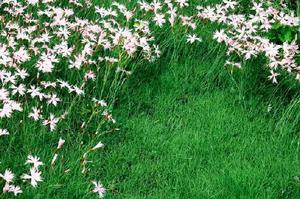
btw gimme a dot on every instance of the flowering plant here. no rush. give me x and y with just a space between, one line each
248 35
56 56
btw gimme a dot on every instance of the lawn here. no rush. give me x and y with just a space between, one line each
182 137
187 127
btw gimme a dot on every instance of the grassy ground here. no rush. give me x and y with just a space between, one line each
190 128
189 132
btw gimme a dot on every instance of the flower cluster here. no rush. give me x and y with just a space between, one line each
52 55
246 34
32 53
34 176
8 177
172 13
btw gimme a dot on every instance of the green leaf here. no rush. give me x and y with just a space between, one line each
286 36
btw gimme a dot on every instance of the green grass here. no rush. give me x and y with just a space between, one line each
182 138
190 128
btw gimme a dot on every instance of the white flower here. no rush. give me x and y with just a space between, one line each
32 2
220 36
182 3
99 189
12 188
235 64
51 121
272 50
6 111
192 38
3 94
34 177
53 99
20 89
99 145
60 143
3 132
21 55
34 160
159 19
54 159
273 77
8 176
35 114
90 75
15 190
22 73
100 102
